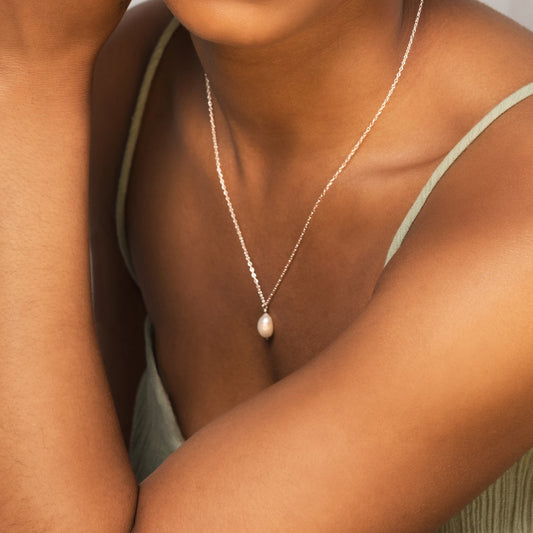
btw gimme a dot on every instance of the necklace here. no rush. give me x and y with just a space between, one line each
265 324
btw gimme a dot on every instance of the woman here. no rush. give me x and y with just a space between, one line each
387 399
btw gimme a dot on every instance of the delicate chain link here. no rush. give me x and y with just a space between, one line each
265 302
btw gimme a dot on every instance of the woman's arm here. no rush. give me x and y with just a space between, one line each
423 402
63 466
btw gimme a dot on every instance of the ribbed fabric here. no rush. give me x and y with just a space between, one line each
155 431
505 507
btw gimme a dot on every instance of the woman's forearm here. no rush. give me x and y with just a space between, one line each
63 466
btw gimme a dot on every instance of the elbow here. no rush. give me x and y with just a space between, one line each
122 511
110 509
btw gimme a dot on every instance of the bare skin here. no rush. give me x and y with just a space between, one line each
386 401
338 267
54 397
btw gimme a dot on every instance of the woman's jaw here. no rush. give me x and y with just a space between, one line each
254 22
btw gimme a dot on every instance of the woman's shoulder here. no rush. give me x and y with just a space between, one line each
478 57
476 60
118 75
473 98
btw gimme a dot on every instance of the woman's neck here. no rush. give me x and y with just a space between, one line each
319 87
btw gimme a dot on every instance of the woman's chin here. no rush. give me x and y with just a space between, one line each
250 23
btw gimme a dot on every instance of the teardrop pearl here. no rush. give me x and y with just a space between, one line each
265 326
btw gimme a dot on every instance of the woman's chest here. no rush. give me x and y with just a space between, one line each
200 293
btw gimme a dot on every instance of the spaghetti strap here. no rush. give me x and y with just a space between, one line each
450 159
133 136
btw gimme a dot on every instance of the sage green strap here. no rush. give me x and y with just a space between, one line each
131 143
450 159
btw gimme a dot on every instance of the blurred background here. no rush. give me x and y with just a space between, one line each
520 10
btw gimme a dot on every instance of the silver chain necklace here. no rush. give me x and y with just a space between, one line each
265 324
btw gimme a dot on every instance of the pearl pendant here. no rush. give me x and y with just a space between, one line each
265 326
